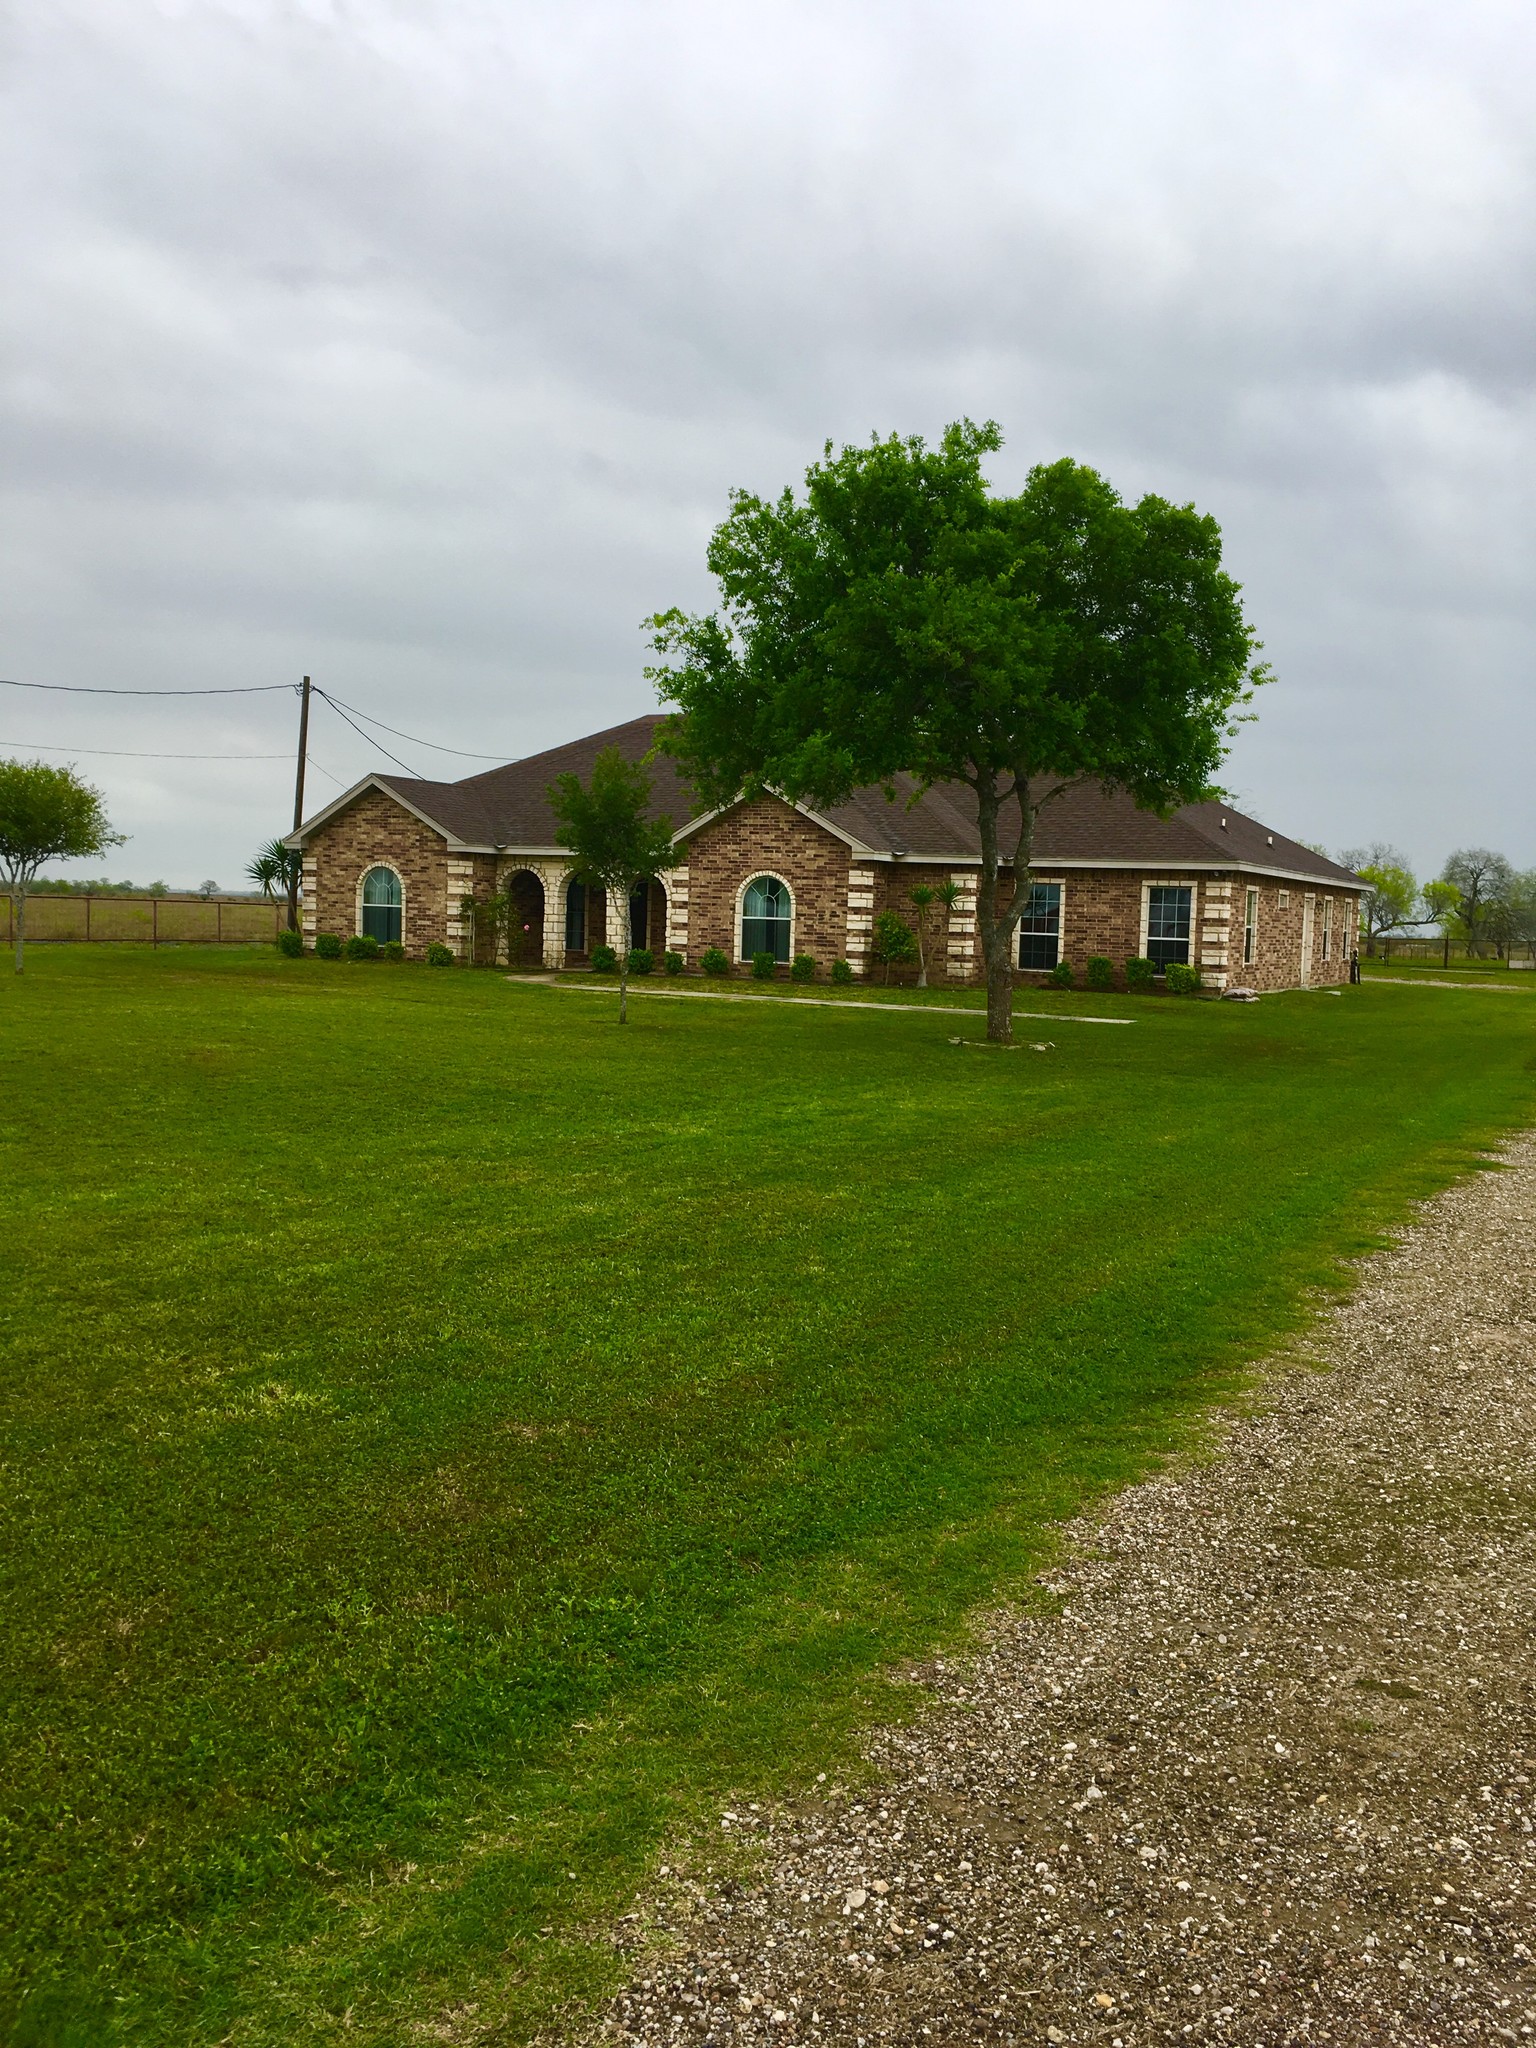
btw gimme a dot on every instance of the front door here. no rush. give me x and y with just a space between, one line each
1307 912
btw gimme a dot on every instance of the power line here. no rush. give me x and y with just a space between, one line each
131 754
368 736
414 740
91 690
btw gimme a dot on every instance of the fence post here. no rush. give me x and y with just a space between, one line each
87 920
154 920
218 921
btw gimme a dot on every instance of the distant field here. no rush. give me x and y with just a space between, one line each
1459 970
452 1443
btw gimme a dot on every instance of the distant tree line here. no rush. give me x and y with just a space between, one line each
1480 901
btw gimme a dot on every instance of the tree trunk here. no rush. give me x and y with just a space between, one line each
293 901
922 950
994 938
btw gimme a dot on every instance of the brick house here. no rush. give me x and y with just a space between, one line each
397 857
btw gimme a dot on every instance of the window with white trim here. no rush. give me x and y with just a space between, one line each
1169 911
381 905
1040 926
1328 928
766 915
1250 927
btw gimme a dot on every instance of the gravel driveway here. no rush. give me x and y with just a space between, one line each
1264 1777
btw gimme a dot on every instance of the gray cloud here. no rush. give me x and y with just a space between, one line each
418 345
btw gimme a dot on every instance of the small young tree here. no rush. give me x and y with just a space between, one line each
922 897
893 941
1442 906
617 844
45 814
1393 896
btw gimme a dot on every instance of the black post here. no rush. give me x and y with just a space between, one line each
298 801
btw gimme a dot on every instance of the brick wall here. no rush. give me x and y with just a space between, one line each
767 838
375 831
836 898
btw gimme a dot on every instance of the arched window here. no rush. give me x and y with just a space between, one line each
765 918
381 905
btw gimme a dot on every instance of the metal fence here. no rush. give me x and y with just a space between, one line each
148 920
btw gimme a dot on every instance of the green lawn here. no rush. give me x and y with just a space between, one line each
453 1444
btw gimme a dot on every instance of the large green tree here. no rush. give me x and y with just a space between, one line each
1393 896
901 618
45 814
1481 878
615 842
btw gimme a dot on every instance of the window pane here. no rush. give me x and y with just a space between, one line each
576 918
1040 926
1168 912
639 915
381 885
765 918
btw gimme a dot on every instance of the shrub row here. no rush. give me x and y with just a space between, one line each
331 946
603 960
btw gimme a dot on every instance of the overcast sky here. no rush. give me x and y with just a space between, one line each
418 346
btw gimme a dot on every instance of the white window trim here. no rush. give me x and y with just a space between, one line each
1052 881
764 875
1327 928
357 907
1169 882
1251 899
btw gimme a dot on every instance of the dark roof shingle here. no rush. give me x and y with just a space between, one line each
509 807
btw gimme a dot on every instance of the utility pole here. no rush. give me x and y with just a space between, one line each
298 802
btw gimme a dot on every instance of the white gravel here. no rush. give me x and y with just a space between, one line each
1263 1778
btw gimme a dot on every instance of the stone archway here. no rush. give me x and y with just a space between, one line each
525 923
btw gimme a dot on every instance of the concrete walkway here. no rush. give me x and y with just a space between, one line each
720 995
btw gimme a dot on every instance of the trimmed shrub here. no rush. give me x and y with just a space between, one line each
641 960
327 946
603 960
841 971
893 941
290 945
439 955
1180 980
1060 975
715 962
361 947
672 962
392 949
1140 976
763 965
1100 972
803 968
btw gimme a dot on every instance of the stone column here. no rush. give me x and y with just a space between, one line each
1215 931
861 917
961 941
675 882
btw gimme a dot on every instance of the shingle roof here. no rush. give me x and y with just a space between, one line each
509 807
